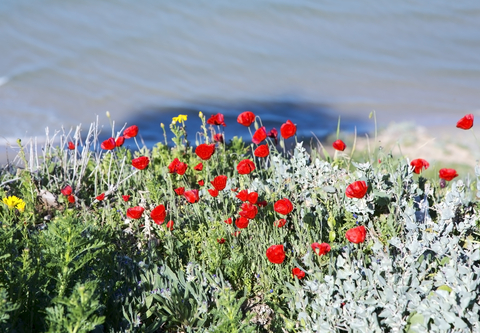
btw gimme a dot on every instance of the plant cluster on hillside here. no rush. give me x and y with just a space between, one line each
237 236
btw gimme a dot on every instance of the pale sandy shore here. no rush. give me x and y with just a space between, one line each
445 147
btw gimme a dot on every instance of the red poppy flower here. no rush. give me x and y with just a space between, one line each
259 135
177 167
262 203
158 214
466 122
135 212
71 145
236 233
125 198
242 222
321 249
170 225
218 137
201 182
205 151
130 132
447 174
246 118
120 140
245 167
67 190
279 223
217 119
228 221
356 189
339 145
180 190
262 151
219 182
288 129
297 272
221 240
192 196
419 164
100 197
140 162
252 197
108 144
283 206
71 198
248 210
273 134
356 235
213 192
198 167
242 195
276 254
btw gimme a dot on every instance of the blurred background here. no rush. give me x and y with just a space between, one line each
62 63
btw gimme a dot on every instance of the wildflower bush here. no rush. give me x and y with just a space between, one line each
238 236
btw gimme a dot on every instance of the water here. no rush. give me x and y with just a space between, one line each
64 62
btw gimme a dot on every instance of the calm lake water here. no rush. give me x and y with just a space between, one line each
64 62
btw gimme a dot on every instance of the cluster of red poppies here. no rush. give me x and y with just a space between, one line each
420 164
250 204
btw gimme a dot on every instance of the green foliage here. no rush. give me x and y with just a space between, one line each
87 266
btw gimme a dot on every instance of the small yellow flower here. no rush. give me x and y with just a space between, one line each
181 118
200 114
21 206
13 201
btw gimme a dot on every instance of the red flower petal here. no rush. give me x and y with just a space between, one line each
242 222
283 206
71 198
262 151
140 162
158 214
192 196
419 164
67 190
245 167
321 249
246 118
279 223
180 190
217 119
259 135
447 174
219 182
101 197
297 272
205 151
213 192
356 235
108 144
276 254
130 132
126 198
466 122
120 140
356 189
339 145
135 212
288 129
71 145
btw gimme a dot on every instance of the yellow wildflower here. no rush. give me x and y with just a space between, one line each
13 201
21 206
181 118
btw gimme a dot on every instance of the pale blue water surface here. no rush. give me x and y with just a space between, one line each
64 62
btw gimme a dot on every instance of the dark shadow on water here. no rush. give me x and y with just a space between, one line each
311 119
